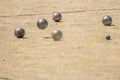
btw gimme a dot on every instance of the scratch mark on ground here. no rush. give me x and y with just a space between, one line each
65 12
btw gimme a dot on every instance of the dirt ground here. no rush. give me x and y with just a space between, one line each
82 54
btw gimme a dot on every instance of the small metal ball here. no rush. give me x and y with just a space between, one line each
57 17
107 20
56 35
107 37
42 23
19 32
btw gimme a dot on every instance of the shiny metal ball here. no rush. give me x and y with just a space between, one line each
107 37
57 17
56 35
107 20
42 23
19 32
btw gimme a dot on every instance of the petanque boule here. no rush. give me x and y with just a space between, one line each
42 23
108 37
57 16
19 32
107 20
56 35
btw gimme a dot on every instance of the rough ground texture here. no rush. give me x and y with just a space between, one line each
82 54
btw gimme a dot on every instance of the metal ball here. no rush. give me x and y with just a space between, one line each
19 32
107 37
57 17
107 20
56 35
42 23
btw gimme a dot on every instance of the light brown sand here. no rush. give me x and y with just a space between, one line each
82 54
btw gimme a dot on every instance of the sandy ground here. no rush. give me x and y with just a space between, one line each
82 54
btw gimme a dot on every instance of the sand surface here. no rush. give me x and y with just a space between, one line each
82 54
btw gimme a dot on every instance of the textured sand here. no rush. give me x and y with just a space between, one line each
82 54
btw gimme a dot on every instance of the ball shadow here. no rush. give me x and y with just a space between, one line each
112 25
24 38
47 37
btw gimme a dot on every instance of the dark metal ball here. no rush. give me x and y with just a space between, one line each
57 17
42 23
19 32
107 20
107 37
56 35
